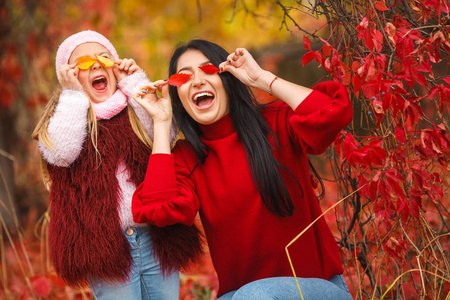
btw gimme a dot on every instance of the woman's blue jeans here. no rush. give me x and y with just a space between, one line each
146 280
286 288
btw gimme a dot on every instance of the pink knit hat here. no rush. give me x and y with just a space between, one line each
66 48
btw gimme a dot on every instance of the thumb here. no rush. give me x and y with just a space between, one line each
116 71
165 91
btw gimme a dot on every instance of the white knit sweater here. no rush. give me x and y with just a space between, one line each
67 130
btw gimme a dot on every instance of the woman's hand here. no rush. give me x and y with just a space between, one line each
125 67
69 77
159 108
243 66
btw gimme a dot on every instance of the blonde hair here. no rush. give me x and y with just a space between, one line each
40 132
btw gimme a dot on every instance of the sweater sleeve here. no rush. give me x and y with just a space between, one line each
67 129
318 120
130 85
163 200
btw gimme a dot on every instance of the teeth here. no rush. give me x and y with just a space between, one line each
201 95
99 78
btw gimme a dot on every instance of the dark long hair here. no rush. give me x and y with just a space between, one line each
250 126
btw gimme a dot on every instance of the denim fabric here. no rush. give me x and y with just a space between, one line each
146 280
285 288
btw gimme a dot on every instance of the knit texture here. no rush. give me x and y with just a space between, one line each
111 107
67 129
68 45
85 236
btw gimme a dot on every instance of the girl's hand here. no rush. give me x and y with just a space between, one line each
125 67
158 108
69 77
244 67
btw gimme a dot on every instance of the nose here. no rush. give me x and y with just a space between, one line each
199 80
96 66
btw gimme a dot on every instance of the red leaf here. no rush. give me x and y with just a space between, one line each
377 155
209 69
327 49
400 135
41 286
308 57
306 43
381 6
179 79
373 190
447 79
414 205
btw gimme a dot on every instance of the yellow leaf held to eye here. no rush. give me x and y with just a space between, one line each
85 62
105 61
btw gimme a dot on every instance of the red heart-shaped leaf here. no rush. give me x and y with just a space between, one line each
179 79
209 69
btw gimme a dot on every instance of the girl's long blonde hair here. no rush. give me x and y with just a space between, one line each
40 132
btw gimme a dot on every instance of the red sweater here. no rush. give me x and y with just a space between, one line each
246 241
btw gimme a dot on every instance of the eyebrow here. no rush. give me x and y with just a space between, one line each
190 68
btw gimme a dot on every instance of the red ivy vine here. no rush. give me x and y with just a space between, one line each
393 57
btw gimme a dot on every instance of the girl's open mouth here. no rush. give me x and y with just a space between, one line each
203 100
100 83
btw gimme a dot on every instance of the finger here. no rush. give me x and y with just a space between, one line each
127 63
146 89
165 91
130 62
230 58
71 73
73 65
240 52
116 71
160 82
121 63
134 68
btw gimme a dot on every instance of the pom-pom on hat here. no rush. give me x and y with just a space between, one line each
66 48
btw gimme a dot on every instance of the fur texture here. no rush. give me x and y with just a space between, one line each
86 239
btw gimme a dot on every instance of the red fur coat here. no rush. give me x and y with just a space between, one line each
86 239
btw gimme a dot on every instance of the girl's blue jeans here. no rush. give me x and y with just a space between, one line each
146 280
286 288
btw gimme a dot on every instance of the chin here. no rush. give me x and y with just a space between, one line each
97 99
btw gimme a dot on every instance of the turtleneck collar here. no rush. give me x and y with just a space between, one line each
218 130
111 107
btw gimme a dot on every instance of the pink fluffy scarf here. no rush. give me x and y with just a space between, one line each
111 107
86 239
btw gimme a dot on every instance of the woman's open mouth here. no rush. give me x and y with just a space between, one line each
203 100
100 84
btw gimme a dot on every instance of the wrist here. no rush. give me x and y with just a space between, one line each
265 81
161 136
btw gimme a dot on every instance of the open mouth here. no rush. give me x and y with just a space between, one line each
203 99
100 83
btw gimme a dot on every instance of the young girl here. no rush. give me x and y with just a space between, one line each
95 141
245 169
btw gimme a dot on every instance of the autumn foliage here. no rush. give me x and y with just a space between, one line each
391 165
393 162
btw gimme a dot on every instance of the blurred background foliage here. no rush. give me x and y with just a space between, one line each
382 247
148 31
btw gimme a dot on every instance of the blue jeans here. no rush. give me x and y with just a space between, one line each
286 288
146 280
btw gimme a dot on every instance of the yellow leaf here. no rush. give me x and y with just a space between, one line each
85 62
105 61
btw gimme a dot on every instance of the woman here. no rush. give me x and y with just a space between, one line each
245 169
